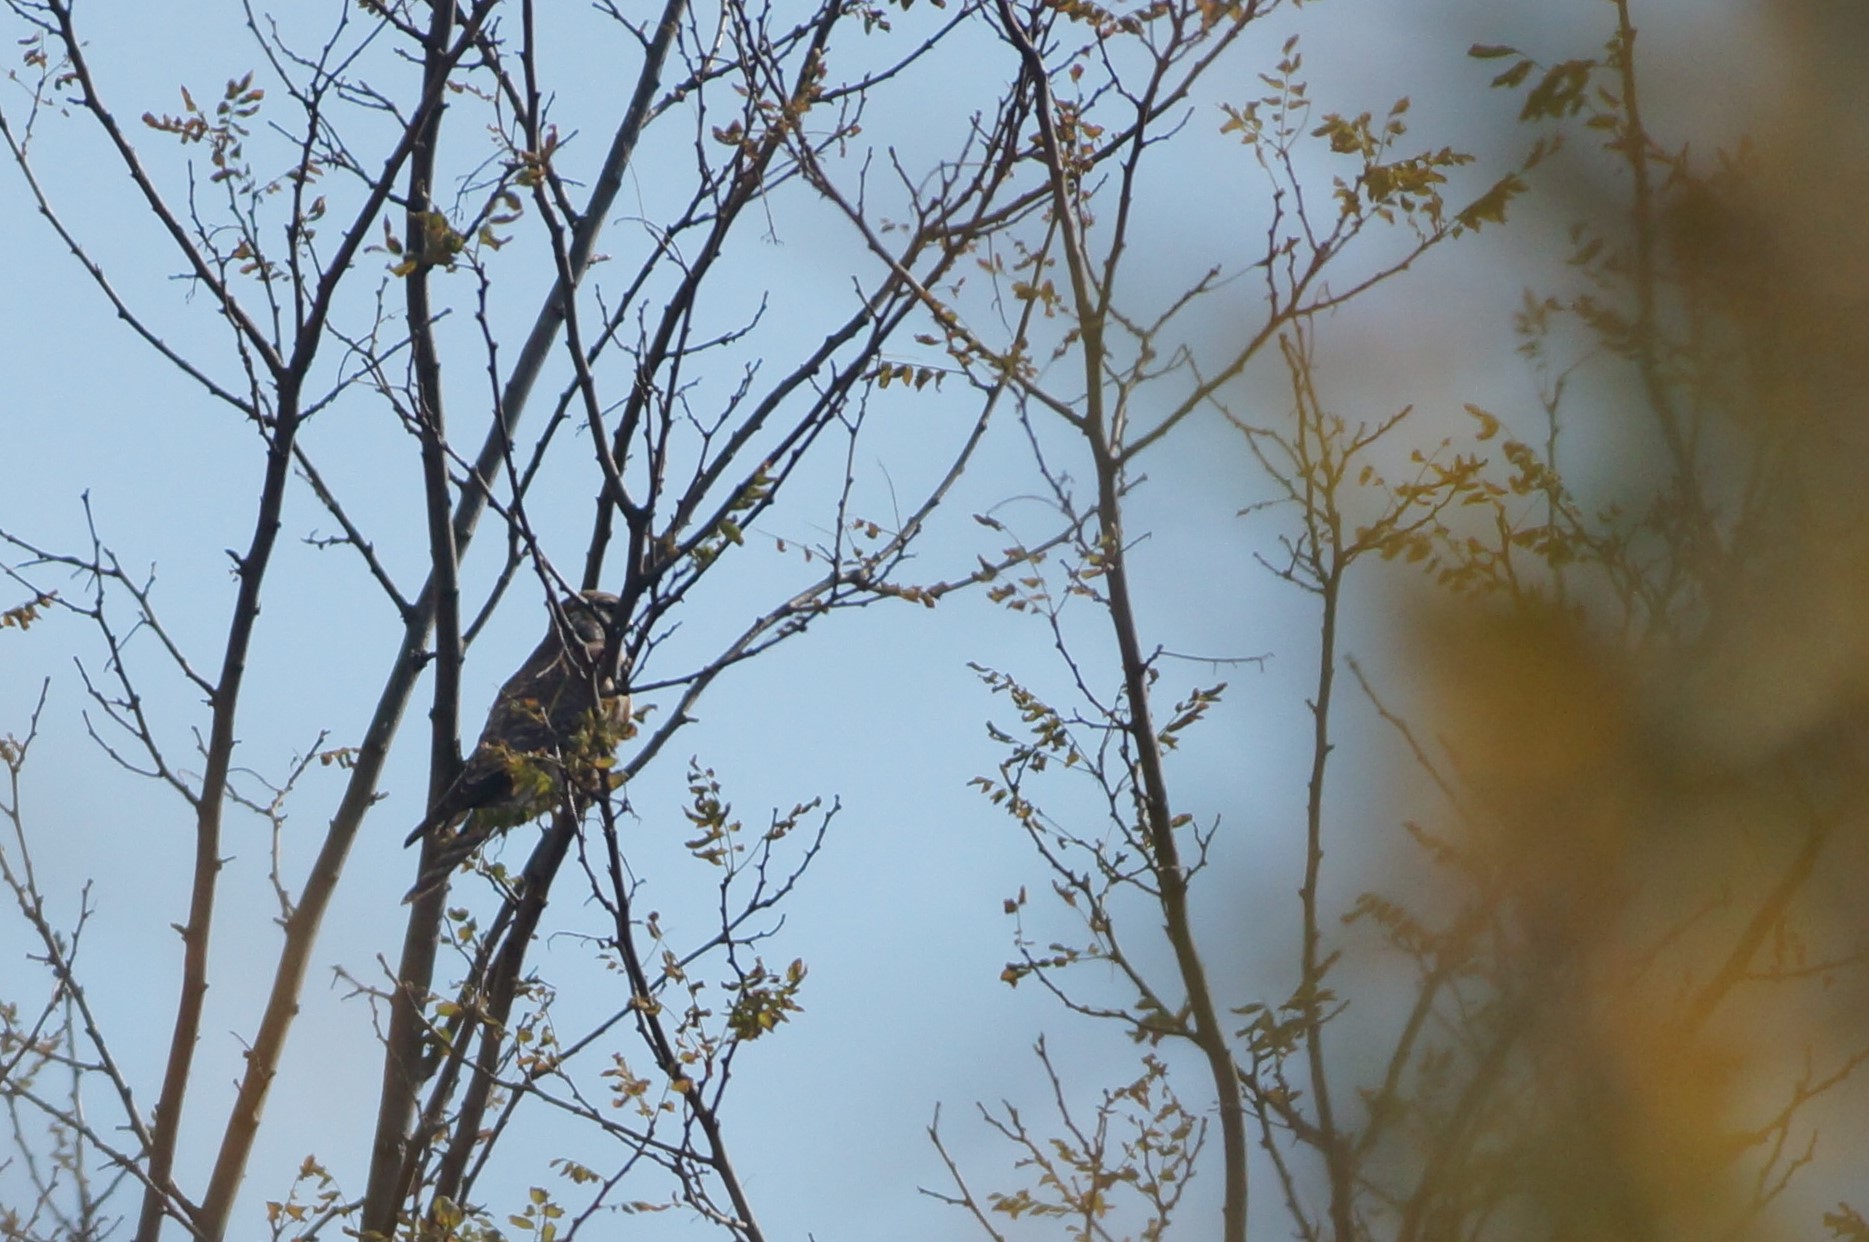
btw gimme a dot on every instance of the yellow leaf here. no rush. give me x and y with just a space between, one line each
1489 425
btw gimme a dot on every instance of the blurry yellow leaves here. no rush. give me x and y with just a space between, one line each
1656 726
1614 885
1490 207
1634 1128
1535 714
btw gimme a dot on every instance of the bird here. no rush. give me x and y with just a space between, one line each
558 716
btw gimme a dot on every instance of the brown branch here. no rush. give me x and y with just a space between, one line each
1325 550
498 990
301 931
249 331
415 969
538 344
1155 804
391 1160
655 1035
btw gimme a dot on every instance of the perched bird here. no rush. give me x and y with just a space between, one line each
553 726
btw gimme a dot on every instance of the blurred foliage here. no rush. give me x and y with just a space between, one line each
1630 981
1642 995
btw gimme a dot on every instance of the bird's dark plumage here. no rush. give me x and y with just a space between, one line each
552 718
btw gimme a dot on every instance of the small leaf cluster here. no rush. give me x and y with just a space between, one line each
314 1195
225 134
711 816
763 999
539 1219
23 615
916 377
1139 1142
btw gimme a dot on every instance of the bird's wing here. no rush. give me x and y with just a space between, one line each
541 706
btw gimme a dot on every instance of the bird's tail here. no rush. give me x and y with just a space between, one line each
423 829
452 844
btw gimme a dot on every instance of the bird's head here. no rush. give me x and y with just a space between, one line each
591 614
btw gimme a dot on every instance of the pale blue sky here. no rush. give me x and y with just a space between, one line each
901 919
